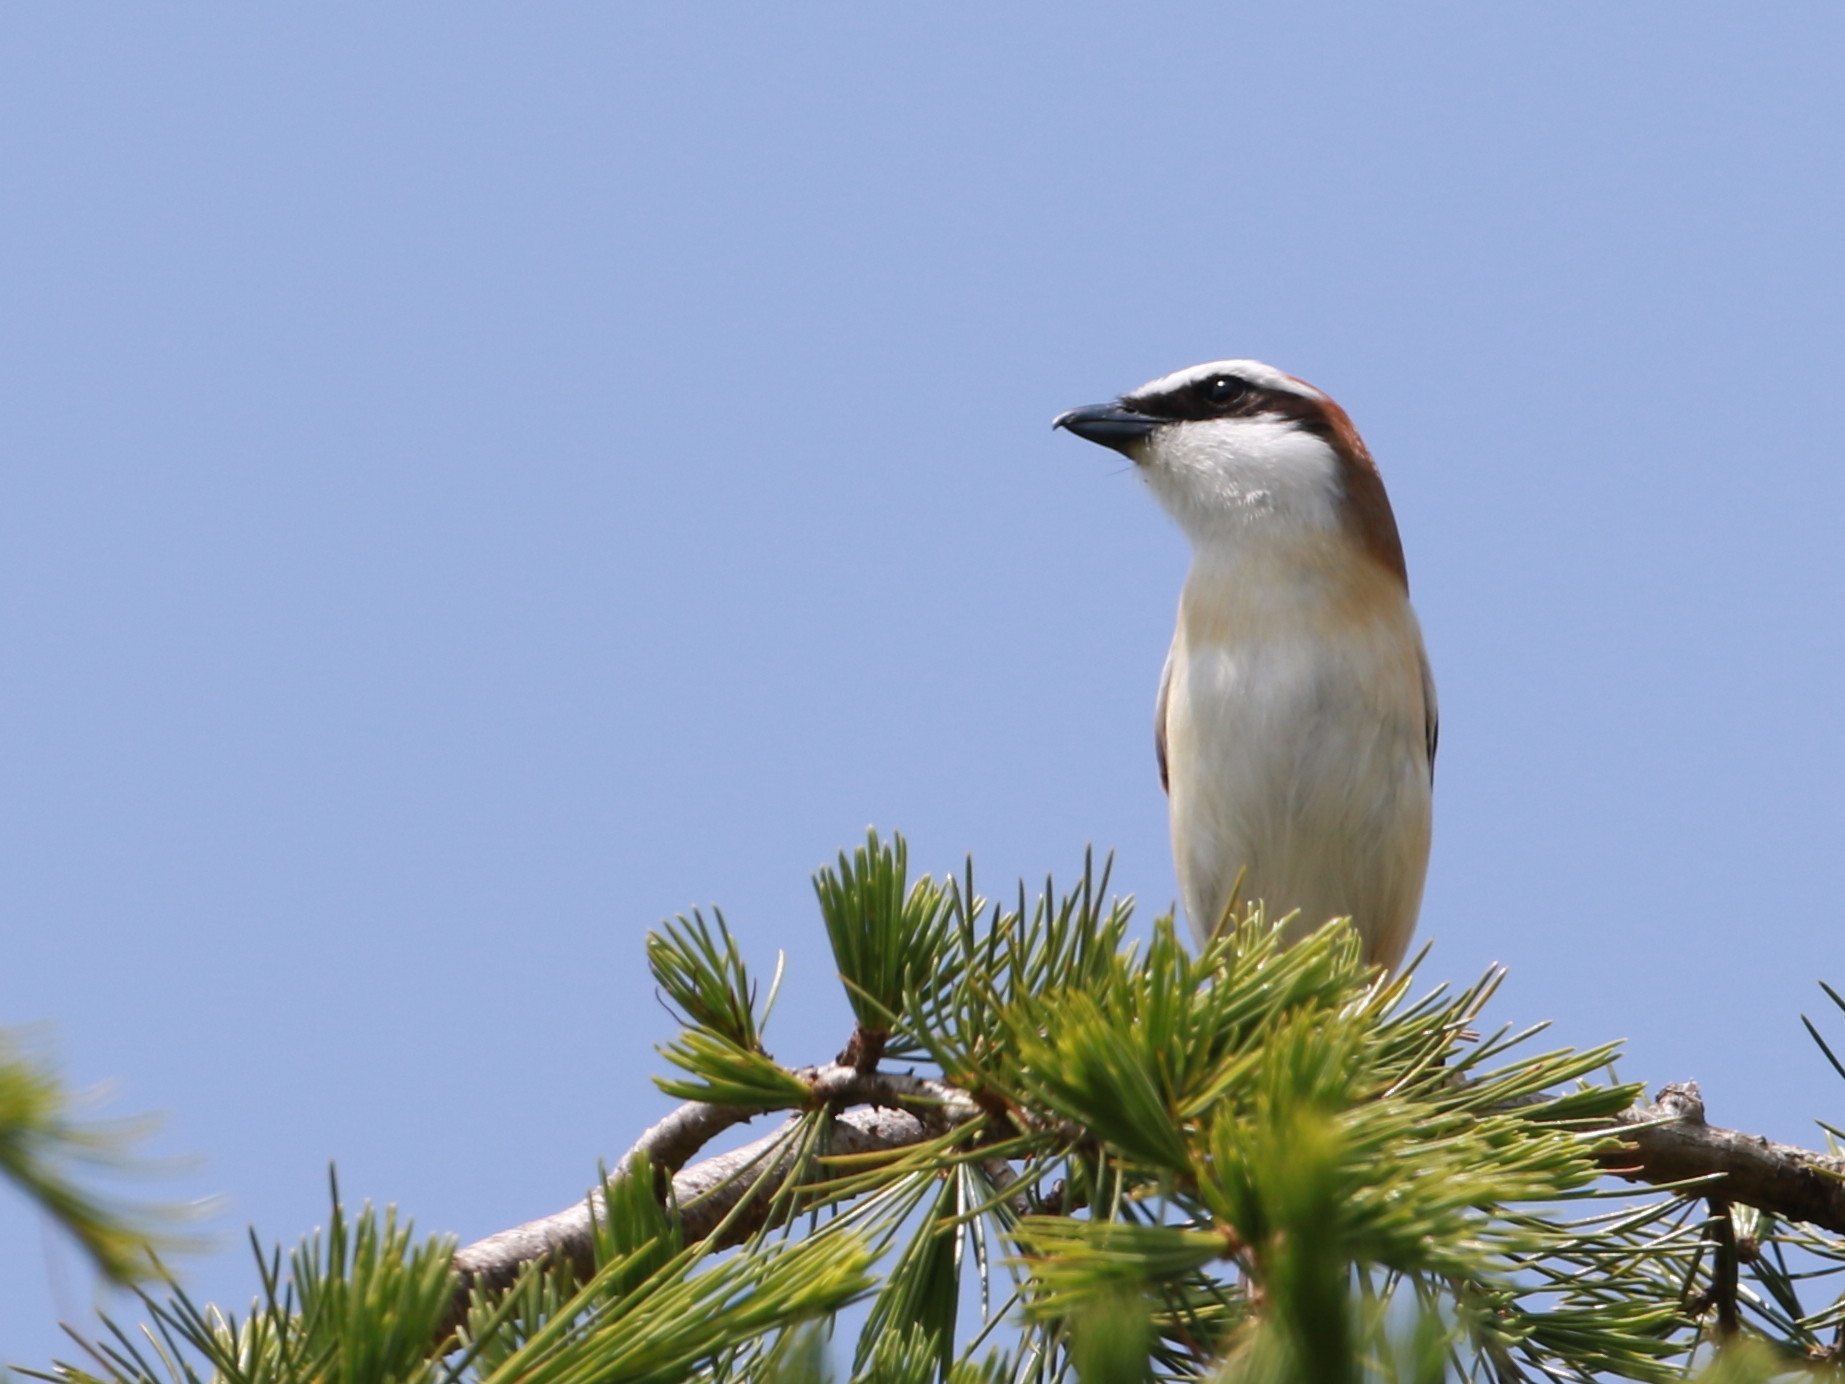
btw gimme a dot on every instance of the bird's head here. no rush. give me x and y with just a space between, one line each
1235 443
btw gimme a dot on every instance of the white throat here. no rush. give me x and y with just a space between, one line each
1231 478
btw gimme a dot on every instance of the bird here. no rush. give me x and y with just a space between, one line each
1296 722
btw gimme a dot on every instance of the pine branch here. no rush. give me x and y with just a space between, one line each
1276 1107
903 1111
1674 1144
1282 1154
1664 1142
45 1147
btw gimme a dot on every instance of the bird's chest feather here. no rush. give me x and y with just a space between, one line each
1295 672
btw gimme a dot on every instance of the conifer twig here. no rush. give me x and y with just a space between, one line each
1665 1142
904 1110
1669 1141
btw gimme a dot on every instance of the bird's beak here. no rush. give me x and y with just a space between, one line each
1109 424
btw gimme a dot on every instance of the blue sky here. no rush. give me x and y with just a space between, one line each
480 479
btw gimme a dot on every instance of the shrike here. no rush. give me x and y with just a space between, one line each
1296 716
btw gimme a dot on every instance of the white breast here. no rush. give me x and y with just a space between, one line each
1295 721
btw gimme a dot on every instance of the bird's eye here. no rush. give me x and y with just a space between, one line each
1223 389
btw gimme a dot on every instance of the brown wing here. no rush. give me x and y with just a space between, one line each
1431 715
1159 720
